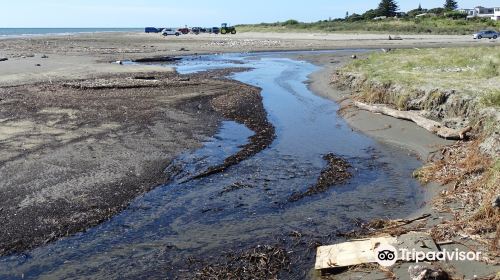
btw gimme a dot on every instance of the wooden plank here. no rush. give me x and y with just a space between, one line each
363 250
349 253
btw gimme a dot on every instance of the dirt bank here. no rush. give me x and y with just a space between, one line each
75 153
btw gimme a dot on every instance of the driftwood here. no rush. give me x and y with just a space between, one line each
414 116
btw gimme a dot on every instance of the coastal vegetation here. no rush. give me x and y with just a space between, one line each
423 25
386 18
472 71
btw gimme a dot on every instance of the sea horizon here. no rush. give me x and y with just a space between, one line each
34 31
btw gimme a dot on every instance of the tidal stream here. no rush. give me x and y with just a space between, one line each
247 204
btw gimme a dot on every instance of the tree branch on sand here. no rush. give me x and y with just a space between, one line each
414 116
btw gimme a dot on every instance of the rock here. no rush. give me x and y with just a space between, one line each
45 56
200 106
354 56
38 65
418 272
119 62
496 202
3 58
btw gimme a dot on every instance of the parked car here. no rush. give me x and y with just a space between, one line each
490 34
170 31
215 30
152 30
196 30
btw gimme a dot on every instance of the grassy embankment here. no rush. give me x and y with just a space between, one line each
429 25
453 83
469 71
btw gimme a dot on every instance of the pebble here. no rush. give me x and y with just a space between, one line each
496 202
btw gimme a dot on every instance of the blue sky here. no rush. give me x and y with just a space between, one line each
133 13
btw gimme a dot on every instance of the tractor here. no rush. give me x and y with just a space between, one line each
224 29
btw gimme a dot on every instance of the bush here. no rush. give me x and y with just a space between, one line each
437 11
355 17
291 22
455 15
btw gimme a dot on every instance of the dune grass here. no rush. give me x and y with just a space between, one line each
430 25
474 71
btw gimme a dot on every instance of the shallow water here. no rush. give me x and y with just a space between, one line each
163 228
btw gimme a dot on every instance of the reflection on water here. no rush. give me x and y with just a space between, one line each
248 203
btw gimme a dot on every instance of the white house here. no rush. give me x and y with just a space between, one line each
496 15
482 12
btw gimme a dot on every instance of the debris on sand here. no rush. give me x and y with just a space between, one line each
244 43
336 172
419 272
157 59
262 262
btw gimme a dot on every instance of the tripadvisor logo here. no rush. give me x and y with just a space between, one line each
387 255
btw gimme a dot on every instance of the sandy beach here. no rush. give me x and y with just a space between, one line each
82 133
88 55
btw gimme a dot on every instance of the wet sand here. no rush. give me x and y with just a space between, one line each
74 153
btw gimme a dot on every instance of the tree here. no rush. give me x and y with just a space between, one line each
387 8
450 5
370 14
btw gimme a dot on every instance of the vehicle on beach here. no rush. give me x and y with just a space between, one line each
215 30
196 30
226 29
490 34
170 31
184 30
152 30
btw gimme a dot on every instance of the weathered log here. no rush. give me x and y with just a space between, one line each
414 116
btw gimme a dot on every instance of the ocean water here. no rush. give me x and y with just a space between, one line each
20 32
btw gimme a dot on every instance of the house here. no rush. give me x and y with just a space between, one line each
482 12
496 15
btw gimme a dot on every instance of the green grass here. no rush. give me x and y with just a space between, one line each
430 25
475 71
